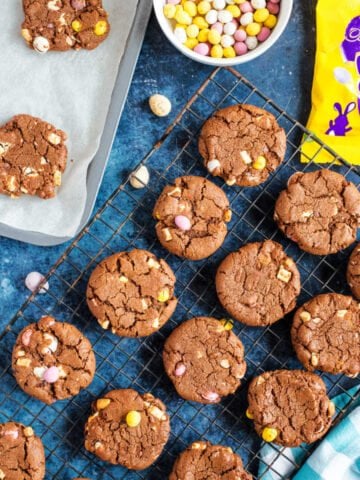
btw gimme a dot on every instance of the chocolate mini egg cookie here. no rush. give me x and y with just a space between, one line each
22 454
127 429
320 211
326 334
289 407
353 272
204 360
258 284
192 215
33 157
64 24
132 293
204 461
243 144
52 360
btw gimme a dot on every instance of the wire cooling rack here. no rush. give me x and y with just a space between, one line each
125 222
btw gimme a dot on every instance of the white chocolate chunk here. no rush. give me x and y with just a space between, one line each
245 157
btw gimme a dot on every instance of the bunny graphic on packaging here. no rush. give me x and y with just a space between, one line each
336 83
350 46
340 126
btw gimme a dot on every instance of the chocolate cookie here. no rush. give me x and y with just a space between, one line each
204 461
132 293
64 24
192 216
289 407
204 360
33 157
22 454
127 429
258 284
52 360
353 272
320 211
326 334
243 144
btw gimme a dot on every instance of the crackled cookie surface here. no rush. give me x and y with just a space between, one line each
192 216
243 144
64 24
33 157
353 272
132 293
52 360
289 407
326 334
127 428
204 461
204 360
320 211
22 454
258 284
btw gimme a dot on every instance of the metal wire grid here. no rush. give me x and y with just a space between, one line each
124 222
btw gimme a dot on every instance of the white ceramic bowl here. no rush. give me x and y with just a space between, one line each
167 28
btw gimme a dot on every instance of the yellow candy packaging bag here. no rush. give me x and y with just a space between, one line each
335 114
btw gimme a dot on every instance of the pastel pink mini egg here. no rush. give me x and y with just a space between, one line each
51 375
246 7
180 370
264 34
173 2
33 280
13 434
240 48
78 4
273 8
211 396
218 26
202 49
240 35
182 222
25 337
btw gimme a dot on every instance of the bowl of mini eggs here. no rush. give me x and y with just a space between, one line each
223 32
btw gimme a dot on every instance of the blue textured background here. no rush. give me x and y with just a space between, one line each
284 74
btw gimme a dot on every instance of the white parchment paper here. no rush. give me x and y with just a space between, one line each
71 90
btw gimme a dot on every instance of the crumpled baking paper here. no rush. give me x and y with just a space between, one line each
72 90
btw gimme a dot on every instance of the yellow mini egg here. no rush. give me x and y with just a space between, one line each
169 10
253 29
229 52
269 434
203 35
183 17
227 324
203 7
260 163
164 295
133 418
191 43
271 21
249 415
261 15
217 51
192 31
214 37
100 28
234 10
190 8
76 26
200 22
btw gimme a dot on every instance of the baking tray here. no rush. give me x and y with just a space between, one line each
97 167
125 222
